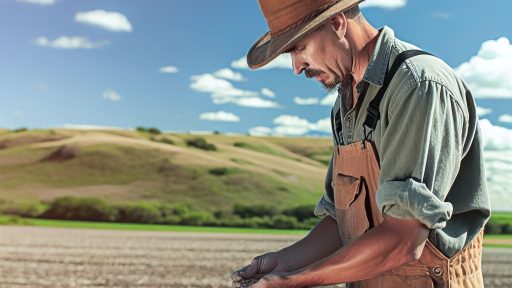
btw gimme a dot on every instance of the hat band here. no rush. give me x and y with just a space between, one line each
303 20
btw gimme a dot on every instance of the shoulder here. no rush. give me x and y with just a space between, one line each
423 71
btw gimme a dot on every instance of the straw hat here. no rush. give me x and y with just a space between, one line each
288 21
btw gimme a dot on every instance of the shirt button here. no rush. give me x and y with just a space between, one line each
437 271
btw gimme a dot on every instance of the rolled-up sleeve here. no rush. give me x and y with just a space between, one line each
420 151
325 206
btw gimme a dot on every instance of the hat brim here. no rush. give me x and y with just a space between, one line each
268 47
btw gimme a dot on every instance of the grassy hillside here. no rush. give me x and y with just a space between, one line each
134 166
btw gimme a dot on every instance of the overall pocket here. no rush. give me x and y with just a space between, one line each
349 200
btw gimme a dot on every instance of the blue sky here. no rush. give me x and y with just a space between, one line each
101 63
43 86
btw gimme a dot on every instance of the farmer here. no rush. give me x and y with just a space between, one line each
405 198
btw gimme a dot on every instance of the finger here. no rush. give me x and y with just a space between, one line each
247 283
235 276
253 268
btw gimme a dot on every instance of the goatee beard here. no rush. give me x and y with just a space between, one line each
329 86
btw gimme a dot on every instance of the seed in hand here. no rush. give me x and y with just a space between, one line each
247 283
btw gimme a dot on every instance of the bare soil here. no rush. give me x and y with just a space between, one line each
59 257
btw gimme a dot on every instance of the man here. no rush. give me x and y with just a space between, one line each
405 198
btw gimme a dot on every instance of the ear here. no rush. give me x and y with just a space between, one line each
338 24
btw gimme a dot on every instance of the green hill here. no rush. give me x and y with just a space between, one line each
134 166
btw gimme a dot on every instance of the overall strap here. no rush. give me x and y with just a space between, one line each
373 113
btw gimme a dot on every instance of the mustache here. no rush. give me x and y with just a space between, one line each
310 73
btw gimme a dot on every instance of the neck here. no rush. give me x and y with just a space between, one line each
363 38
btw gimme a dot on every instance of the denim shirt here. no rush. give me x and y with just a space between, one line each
429 143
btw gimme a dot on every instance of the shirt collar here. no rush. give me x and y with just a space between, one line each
378 66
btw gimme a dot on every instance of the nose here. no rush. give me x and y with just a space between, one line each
298 64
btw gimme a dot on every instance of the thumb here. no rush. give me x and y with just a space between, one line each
252 269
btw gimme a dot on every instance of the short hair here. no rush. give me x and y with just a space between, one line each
354 14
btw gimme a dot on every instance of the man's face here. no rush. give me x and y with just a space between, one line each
318 56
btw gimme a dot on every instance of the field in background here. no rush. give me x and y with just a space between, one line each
135 166
137 176
497 241
50 257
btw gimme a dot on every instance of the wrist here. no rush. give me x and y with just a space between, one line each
285 259
299 278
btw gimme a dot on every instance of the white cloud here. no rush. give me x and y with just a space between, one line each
498 166
290 130
229 74
495 137
330 99
255 102
291 125
69 42
505 118
282 61
322 125
260 131
111 95
109 20
267 92
38 2
169 69
488 73
222 92
220 116
218 87
386 4
481 111
291 120
306 101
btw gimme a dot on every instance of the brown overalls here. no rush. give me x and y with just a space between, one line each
355 176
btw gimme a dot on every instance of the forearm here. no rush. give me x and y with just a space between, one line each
322 241
380 249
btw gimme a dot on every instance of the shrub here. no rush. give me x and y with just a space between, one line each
14 220
197 218
285 222
492 228
166 140
222 214
201 143
247 211
72 208
310 223
150 130
180 209
219 171
139 213
23 129
302 212
506 228
258 222
31 209
154 131
170 220
240 144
